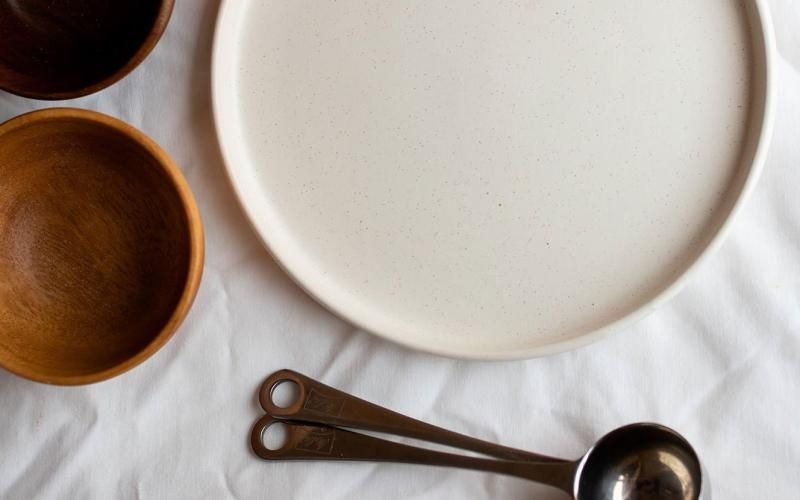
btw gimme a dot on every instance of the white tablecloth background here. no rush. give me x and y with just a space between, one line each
720 363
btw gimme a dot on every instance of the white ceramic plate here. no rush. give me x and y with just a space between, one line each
492 179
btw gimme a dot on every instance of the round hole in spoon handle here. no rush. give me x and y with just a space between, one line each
273 439
269 393
275 436
285 393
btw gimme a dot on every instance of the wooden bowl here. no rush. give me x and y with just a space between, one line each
101 246
72 48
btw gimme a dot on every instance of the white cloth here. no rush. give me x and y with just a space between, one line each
719 362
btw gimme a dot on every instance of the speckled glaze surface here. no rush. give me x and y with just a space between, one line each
492 179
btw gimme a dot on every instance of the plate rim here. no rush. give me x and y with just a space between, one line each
765 57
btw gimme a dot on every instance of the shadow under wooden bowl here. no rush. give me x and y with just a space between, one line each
72 48
101 246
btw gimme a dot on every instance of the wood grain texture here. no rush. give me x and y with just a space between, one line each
70 48
101 246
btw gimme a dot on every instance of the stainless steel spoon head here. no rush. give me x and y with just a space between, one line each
641 462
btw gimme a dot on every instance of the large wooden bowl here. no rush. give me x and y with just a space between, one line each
101 246
71 48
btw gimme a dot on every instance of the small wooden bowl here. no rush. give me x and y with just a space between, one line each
101 246
67 49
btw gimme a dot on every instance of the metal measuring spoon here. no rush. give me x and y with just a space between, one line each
636 462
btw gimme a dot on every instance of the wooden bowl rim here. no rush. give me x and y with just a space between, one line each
194 229
148 44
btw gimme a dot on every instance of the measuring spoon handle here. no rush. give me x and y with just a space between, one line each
321 404
318 442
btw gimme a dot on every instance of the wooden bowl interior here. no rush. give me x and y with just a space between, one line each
94 249
63 49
